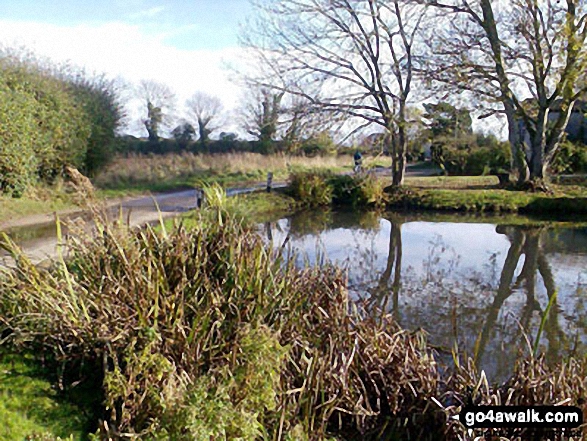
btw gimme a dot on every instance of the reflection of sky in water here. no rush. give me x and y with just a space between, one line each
450 276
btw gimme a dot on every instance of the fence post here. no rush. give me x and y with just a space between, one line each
269 181
199 198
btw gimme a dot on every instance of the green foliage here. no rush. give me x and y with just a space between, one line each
99 99
229 403
316 188
472 155
360 190
50 119
445 120
570 158
18 160
321 144
311 189
183 135
30 408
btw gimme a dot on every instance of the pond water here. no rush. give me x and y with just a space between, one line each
481 285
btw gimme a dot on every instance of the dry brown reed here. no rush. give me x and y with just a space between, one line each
207 332
159 314
145 169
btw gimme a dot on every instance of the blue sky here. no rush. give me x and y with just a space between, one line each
191 24
186 44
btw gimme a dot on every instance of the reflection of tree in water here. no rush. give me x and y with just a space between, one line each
470 306
485 307
322 219
525 242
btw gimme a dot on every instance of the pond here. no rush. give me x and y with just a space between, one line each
475 285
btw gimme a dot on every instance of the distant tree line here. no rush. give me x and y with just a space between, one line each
52 117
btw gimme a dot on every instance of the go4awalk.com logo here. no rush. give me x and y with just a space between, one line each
556 417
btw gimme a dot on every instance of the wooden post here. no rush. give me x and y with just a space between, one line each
199 198
269 181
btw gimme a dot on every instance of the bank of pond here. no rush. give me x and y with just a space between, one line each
481 194
326 324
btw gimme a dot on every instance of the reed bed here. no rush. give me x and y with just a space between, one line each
207 333
155 169
313 188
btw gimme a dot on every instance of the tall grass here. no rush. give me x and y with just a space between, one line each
154 169
209 332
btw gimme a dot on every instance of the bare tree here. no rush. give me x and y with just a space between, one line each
205 111
159 101
261 110
525 59
345 57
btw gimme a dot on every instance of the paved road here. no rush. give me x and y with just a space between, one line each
38 239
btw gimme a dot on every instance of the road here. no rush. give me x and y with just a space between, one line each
39 240
36 235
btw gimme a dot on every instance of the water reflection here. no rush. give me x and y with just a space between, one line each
480 286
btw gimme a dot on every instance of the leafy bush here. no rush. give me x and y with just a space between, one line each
311 189
477 161
471 155
316 188
358 190
51 119
18 162
321 144
570 158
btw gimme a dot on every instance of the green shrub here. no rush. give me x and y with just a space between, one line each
362 190
311 189
569 158
472 155
18 162
51 119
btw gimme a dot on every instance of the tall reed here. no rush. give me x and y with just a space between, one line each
207 330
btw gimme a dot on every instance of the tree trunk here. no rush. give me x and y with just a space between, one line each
399 147
537 166
504 290
519 164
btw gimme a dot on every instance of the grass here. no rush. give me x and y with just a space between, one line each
29 405
165 172
36 200
481 194
452 182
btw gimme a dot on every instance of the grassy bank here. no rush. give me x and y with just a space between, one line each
563 200
455 194
204 332
164 172
35 201
30 405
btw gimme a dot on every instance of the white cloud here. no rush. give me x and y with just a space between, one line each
148 13
127 50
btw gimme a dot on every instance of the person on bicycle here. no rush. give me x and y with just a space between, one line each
358 161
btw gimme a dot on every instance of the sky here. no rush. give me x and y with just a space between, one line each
186 44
